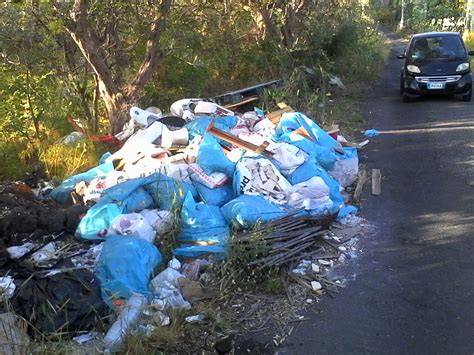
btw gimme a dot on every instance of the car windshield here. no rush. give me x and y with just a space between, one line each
437 48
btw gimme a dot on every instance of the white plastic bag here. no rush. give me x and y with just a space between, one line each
168 278
160 221
7 287
345 171
289 156
134 224
166 289
312 194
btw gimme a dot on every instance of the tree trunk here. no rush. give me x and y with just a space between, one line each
118 97
468 27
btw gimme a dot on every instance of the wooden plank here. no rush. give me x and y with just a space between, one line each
241 102
360 185
376 182
275 116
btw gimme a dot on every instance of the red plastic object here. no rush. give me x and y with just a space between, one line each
104 139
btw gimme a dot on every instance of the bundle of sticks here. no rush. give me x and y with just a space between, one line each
290 239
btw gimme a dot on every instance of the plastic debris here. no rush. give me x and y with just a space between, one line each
7 287
17 252
133 224
85 338
126 321
195 319
316 286
371 133
46 253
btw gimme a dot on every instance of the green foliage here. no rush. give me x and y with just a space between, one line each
13 167
421 16
63 160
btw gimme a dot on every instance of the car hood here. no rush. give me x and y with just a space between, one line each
439 68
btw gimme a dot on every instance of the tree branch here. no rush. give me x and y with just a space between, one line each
90 46
153 52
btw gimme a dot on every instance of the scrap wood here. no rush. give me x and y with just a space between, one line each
241 102
234 140
376 182
360 185
275 116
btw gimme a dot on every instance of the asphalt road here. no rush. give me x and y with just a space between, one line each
414 286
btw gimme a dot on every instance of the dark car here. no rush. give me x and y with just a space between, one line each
436 62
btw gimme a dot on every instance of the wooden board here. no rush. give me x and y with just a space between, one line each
275 116
241 102
376 182
362 178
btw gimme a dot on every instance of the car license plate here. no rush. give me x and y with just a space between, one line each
435 86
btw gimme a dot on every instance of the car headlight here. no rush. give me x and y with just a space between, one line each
462 67
413 69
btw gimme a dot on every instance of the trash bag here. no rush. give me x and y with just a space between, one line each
345 211
133 225
138 200
198 127
217 196
69 301
96 223
312 194
130 194
346 169
160 221
260 177
62 192
310 169
211 158
203 229
125 267
291 121
245 210
168 192
324 156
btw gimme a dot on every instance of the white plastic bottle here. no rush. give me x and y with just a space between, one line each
127 319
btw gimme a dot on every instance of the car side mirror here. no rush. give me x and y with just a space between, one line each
471 52
403 56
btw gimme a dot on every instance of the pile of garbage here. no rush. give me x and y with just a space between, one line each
195 175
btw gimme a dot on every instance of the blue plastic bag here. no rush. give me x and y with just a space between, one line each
311 168
345 211
62 192
137 201
198 127
130 195
125 267
97 221
203 229
168 193
371 133
246 210
212 159
291 121
218 196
